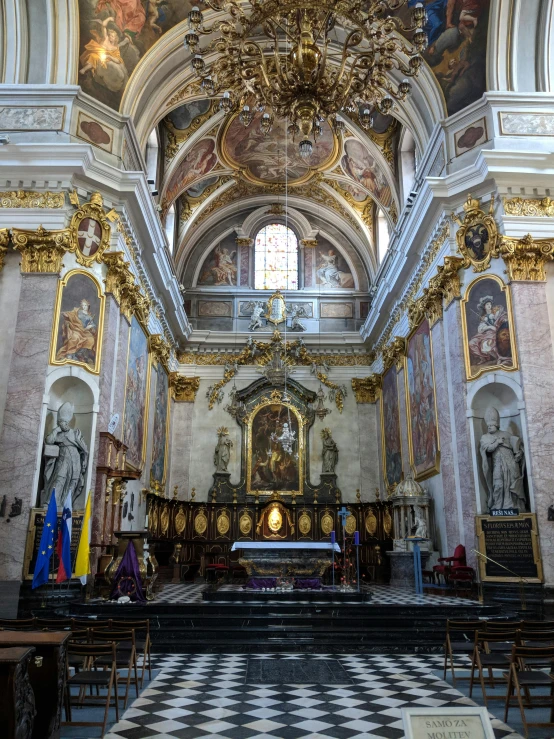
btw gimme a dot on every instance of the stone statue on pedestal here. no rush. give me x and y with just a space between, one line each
66 456
503 464
330 453
222 452
420 523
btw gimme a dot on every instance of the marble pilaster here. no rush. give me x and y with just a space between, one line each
465 497
181 445
449 508
19 438
369 449
534 342
403 421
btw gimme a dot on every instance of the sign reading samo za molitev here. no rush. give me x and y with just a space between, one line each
471 722
512 541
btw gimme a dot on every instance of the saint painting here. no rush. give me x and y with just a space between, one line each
390 430
78 324
135 411
220 267
275 450
161 418
488 327
332 269
422 416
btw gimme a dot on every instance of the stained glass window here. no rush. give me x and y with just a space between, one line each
276 258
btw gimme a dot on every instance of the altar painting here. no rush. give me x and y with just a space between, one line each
135 411
275 449
488 328
390 430
77 328
423 435
161 424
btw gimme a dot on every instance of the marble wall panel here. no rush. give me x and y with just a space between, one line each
19 438
535 355
181 446
369 449
403 421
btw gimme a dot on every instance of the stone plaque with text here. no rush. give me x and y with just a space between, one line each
511 545
447 723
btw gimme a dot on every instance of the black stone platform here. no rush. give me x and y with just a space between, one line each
291 596
268 625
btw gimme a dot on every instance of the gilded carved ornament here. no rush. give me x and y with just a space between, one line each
28 199
240 241
160 349
449 279
394 353
529 207
366 389
4 241
308 243
478 236
183 389
41 250
120 282
526 257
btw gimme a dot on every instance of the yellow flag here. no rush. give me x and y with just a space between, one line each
82 563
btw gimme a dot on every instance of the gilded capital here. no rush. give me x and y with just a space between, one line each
29 199
529 207
308 243
449 279
366 388
183 389
526 257
120 282
432 297
243 241
159 347
4 241
41 250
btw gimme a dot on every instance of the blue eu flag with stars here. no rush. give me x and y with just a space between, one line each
47 542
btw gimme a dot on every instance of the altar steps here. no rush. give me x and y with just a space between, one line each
294 627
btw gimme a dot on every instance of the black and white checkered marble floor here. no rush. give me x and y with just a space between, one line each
382 595
209 696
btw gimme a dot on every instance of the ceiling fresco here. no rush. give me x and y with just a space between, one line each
200 160
264 158
359 164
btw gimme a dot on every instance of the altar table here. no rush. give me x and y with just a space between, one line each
286 558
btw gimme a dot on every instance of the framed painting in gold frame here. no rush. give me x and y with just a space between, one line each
135 408
421 403
273 463
488 327
160 434
391 441
78 322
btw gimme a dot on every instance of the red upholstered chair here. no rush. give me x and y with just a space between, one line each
461 578
447 563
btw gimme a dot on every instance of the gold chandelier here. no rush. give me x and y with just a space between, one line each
306 60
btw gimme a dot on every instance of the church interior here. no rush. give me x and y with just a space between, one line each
277 369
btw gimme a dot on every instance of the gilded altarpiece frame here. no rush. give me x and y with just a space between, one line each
391 438
421 403
77 328
488 327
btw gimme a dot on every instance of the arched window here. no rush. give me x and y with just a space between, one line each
170 227
152 154
276 258
383 236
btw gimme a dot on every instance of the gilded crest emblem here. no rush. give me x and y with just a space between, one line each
180 521
371 523
200 523
304 524
478 236
223 523
327 523
387 522
164 520
274 519
276 309
90 231
153 519
350 524
245 524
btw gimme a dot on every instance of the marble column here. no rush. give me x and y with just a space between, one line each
19 439
402 413
449 510
462 502
534 344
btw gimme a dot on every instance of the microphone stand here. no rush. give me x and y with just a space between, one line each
522 580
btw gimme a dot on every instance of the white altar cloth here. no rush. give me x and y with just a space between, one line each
284 545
